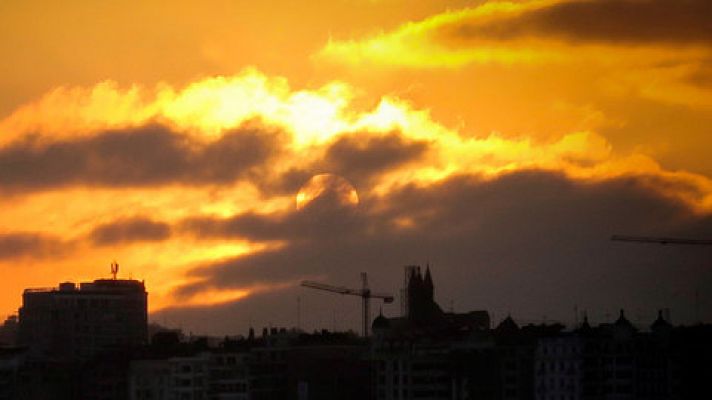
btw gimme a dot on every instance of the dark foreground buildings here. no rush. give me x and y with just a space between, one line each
75 341
88 342
429 354
78 322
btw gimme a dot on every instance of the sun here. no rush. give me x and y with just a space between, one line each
322 185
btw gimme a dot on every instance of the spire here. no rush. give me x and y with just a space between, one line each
585 326
428 278
428 284
414 279
660 322
413 290
622 320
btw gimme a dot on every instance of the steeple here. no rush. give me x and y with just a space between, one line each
585 324
660 323
414 290
421 306
428 284
585 327
414 278
622 322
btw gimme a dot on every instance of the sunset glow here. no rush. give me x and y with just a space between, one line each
194 163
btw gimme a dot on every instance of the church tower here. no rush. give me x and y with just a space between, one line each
422 308
428 285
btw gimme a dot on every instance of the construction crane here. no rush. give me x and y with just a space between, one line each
365 294
665 241
660 240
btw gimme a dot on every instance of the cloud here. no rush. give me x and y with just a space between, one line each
206 108
129 230
527 32
324 218
150 155
609 21
427 44
16 245
701 75
208 137
360 159
426 192
530 241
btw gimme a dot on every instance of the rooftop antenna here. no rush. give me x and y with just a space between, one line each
299 313
114 269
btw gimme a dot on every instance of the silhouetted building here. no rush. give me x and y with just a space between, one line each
149 380
430 354
515 349
73 322
286 364
228 375
422 308
611 361
11 361
692 360
280 364
8 331
89 342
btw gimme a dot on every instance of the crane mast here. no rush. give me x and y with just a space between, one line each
365 294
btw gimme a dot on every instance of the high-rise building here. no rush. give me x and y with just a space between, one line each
78 322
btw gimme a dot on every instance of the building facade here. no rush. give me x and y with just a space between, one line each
78 322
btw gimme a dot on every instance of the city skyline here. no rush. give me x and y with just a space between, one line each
225 151
398 305
92 340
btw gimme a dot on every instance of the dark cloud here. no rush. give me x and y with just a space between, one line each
324 218
355 157
30 245
149 155
287 182
249 225
530 243
702 75
129 230
359 159
625 21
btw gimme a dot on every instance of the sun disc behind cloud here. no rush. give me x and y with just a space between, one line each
322 185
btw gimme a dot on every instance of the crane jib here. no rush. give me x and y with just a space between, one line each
365 294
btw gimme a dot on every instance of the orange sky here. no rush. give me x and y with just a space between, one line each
150 134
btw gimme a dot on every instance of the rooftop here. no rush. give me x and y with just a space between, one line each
98 285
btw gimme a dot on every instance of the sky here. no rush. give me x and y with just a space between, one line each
224 151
